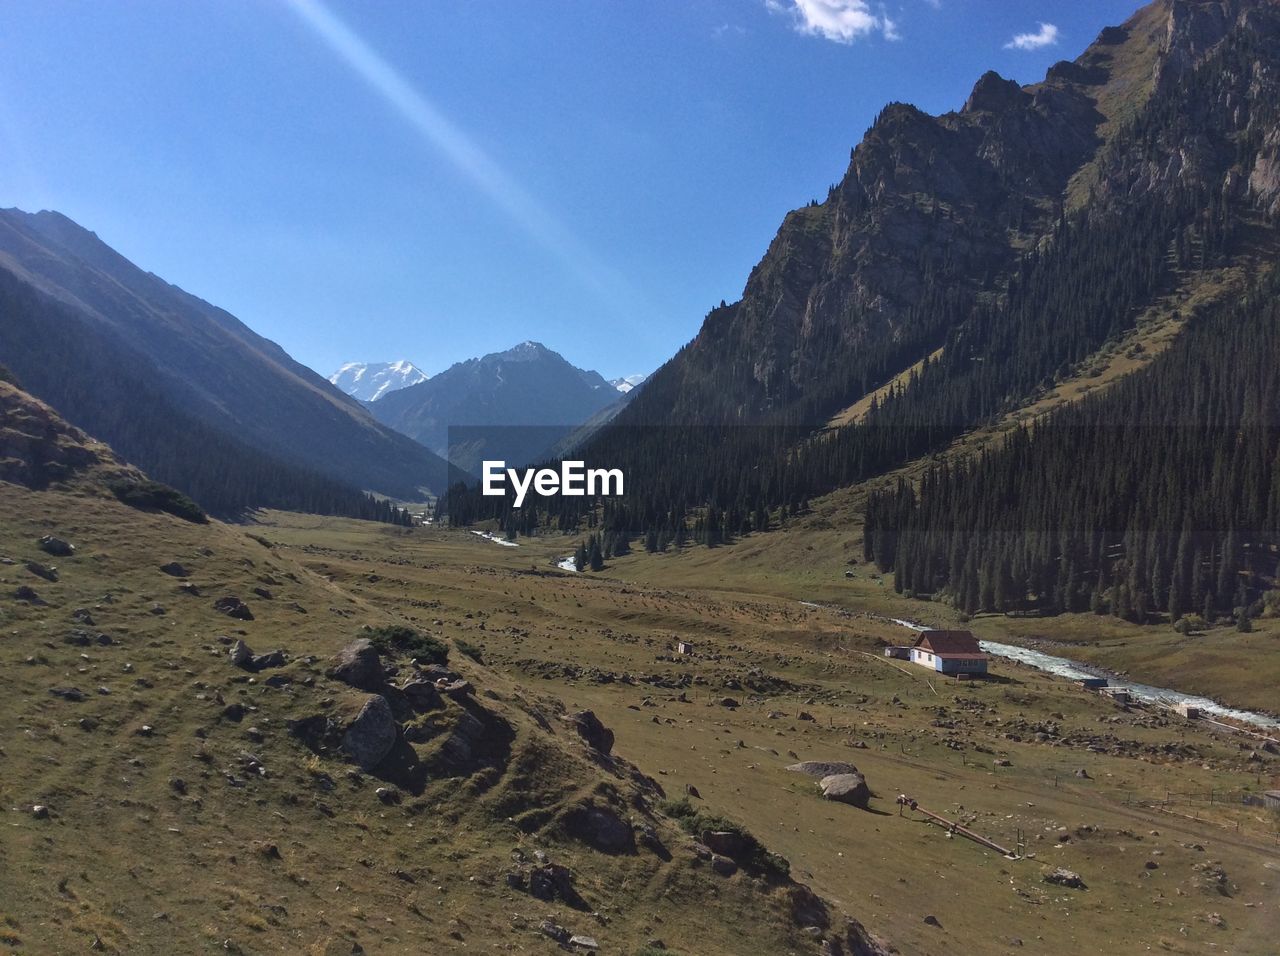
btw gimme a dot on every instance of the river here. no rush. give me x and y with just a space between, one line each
1074 670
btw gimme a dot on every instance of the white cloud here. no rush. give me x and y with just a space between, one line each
889 27
1046 36
842 21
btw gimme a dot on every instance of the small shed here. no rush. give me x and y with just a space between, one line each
1189 711
1119 694
898 653
684 647
1271 799
1093 683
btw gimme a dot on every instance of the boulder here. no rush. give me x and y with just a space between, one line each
359 665
550 881
56 547
602 828
723 865
822 768
724 842
233 607
554 930
422 694
848 788
46 571
241 654
457 689
1065 877
274 658
28 594
370 737
589 728
174 569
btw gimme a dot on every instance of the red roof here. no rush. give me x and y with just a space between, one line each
950 643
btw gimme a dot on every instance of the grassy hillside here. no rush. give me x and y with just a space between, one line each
605 642
182 811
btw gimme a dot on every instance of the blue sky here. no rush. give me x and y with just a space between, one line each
434 180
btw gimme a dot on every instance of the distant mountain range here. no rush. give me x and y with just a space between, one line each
627 382
514 405
182 388
369 381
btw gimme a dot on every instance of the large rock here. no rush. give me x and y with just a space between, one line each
233 607
359 665
241 654
422 694
370 737
274 658
56 547
822 768
46 571
725 842
848 788
174 570
602 828
589 728
1065 877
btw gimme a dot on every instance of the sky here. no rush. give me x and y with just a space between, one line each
439 179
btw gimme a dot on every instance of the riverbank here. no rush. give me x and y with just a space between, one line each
1075 670
1236 669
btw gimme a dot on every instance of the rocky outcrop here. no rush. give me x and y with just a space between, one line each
600 826
598 737
370 737
994 94
38 448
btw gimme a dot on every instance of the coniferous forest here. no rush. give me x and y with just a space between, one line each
1159 496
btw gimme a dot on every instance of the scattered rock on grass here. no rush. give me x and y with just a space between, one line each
1064 877
55 546
233 607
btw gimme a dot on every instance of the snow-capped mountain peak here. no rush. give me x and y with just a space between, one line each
369 381
627 382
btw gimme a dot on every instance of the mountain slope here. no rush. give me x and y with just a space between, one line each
369 381
513 405
1000 246
91 333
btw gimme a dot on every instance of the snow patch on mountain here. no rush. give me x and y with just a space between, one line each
627 382
369 381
